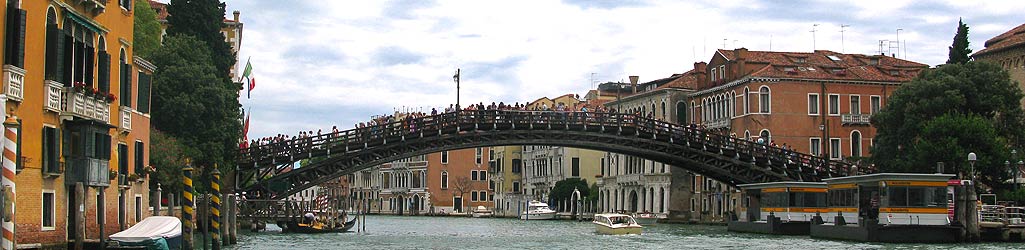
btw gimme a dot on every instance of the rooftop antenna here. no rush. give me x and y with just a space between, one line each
592 79
813 26
905 49
843 48
882 44
898 41
724 43
770 42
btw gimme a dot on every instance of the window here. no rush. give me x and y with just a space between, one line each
516 187
122 159
767 135
722 72
483 195
121 207
763 98
142 105
473 195
747 100
473 175
491 185
51 150
517 166
53 36
126 80
834 104
813 104
856 143
125 4
483 175
14 49
49 210
834 148
713 74
444 180
876 103
478 155
444 157
575 172
140 160
692 205
138 207
855 105
815 146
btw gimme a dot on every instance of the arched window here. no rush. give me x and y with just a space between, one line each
681 113
664 118
693 113
763 100
747 100
765 134
126 79
444 179
733 103
52 32
855 143
747 135
653 110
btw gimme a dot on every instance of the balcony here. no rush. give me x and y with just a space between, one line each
629 179
88 106
126 119
53 96
855 119
14 83
93 172
720 123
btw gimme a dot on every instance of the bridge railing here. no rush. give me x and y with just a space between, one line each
259 156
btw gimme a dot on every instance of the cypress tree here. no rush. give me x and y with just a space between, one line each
959 51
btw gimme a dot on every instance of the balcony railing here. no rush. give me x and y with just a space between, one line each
720 123
85 105
90 171
126 119
53 96
855 119
629 178
14 82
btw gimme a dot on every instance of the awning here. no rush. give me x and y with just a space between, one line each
82 20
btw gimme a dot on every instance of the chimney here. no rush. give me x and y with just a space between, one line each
700 67
633 82
236 13
741 59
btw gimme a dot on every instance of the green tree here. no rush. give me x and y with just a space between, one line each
168 155
188 105
202 19
959 51
945 113
146 37
563 189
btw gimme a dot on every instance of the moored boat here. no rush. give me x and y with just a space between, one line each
537 210
616 224
482 212
319 227
646 218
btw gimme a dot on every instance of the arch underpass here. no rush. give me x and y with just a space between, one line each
270 175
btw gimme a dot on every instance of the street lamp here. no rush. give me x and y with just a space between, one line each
971 161
1017 172
456 79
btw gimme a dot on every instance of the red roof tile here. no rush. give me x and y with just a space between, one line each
820 65
1011 38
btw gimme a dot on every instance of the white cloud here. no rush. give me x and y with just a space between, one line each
324 63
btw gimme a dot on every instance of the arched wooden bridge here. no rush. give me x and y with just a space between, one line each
266 171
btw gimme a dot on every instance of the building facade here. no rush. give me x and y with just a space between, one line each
446 182
1008 51
82 101
507 173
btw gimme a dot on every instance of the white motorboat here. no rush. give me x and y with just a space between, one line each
616 224
646 218
537 210
482 212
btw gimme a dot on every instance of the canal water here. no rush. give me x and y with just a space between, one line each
398 232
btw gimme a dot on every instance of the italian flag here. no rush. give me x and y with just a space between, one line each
248 75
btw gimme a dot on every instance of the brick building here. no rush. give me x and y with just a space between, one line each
819 103
1008 51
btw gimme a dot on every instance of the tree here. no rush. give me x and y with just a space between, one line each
947 112
168 155
202 19
187 106
461 186
563 189
959 51
146 37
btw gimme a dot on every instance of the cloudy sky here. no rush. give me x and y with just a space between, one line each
326 63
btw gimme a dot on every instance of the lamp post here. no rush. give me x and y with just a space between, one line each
971 161
1017 172
456 78
971 217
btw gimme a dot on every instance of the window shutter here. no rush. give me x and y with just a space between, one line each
65 47
52 34
9 31
90 65
79 61
19 48
144 93
126 85
104 74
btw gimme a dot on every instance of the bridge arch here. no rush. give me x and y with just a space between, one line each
731 160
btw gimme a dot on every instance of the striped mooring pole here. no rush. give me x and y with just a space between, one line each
10 160
187 208
215 208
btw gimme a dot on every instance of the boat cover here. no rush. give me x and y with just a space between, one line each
151 228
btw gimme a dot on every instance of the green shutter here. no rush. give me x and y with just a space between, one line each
104 71
19 49
145 82
90 65
65 45
52 59
126 85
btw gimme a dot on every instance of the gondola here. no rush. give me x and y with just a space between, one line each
316 227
